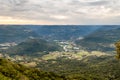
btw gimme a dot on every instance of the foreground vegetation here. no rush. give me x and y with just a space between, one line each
13 71
90 68
118 50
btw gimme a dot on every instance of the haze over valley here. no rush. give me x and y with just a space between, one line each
70 51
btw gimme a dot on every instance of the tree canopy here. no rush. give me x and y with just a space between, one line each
118 49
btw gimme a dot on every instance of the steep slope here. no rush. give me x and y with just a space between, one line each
101 40
33 46
13 71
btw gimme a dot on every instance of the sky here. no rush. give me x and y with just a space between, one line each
60 12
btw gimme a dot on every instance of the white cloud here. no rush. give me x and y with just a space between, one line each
63 11
59 17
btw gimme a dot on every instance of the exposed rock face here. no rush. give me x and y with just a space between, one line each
118 49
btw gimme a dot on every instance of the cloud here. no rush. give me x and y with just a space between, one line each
59 17
62 11
98 3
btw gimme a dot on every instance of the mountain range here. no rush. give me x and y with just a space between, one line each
18 33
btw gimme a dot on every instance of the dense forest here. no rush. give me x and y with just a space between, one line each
14 71
103 69
33 46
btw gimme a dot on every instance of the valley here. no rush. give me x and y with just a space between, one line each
72 52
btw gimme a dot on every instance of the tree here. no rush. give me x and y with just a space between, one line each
118 49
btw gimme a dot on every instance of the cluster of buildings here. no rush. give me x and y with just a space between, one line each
68 46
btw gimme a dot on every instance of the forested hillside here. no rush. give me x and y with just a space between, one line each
63 32
15 33
94 69
33 46
102 39
14 71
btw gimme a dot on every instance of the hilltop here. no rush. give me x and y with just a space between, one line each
33 46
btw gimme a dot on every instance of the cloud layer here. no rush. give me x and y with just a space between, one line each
62 11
